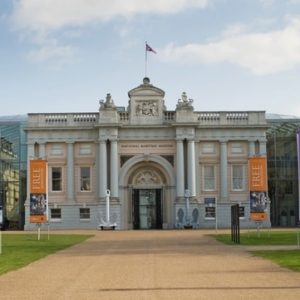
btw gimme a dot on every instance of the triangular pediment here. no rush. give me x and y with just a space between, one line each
146 104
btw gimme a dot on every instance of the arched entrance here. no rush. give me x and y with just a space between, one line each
147 204
148 192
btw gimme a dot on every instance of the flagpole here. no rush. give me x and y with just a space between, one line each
146 59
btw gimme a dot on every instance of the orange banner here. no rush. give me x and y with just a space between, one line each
38 176
259 216
258 174
38 191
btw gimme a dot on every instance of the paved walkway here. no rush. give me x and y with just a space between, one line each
151 265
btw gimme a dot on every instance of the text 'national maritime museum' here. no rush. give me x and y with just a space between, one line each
164 169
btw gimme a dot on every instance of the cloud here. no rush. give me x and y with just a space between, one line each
263 52
39 20
59 54
38 15
267 2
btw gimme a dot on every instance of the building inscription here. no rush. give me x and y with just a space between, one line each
150 147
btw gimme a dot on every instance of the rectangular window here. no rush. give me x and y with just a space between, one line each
85 149
236 148
208 148
55 213
237 178
56 179
57 150
209 178
84 213
85 179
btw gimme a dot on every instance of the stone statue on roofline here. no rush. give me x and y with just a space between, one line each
184 102
108 103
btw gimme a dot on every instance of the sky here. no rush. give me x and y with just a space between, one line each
227 55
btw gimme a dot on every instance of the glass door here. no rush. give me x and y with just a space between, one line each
147 209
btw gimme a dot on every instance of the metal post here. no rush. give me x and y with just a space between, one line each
39 231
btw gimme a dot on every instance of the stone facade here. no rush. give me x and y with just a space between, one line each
163 168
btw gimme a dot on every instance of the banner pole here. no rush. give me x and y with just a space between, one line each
39 231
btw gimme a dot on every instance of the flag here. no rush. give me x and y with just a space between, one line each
148 48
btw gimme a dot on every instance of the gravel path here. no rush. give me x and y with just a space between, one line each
151 265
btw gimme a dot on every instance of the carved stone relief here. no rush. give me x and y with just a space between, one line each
146 108
148 176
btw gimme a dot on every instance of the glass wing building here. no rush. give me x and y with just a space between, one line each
283 177
13 166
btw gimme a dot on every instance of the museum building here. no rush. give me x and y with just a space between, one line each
164 169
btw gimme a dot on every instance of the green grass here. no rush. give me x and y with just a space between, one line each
287 259
265 238
19 250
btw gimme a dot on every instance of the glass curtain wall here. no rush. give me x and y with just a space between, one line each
283 171
13 166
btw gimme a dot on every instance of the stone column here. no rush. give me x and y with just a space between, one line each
70 171
191 165
42 150
103 169
263 147
114 169
97 169
180 168
251 148
223 171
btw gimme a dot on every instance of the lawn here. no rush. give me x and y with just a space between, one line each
285 258
19 250
264 238
288 259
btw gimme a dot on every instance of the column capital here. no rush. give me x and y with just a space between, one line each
114 140
190 139
262 140
223 141
252 140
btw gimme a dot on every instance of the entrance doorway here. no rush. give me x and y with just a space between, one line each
147 209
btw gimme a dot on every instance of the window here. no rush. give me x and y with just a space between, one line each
85 149
208 148
85 179
55 213
57 150
209 178
56 179
210 208
236 148
237 178
84 213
